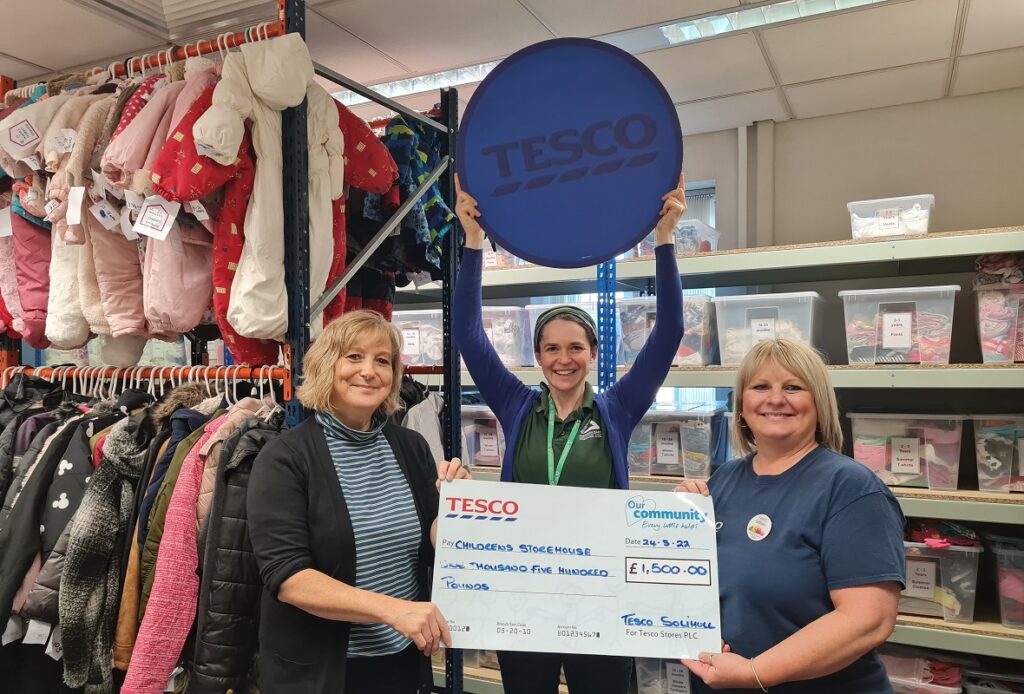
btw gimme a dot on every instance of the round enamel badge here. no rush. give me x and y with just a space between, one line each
758 527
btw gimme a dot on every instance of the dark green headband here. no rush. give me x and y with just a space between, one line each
572 312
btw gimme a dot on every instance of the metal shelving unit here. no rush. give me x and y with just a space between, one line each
980 638
940 253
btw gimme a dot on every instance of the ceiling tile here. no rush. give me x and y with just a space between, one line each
871 90
727 65
451 34
863 40
342 52
730 112
15 69
579 17
989 72
32 33
993 24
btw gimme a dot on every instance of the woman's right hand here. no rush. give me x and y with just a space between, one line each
423 624
467 212
694 487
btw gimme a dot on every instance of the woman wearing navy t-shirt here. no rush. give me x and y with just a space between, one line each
810 542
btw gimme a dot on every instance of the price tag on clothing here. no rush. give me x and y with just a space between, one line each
65 140
156 217
126 225
76 197
5 223
33 163
37 632
889 218
666 444
23 133
105 214
920 579
905 456
488 441
134 201
114 190
197 209
50 207
762 329
99 183
677 678
411 342
14 631
171 682
55 649
897 330
420 279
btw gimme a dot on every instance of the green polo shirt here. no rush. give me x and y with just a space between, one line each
590 459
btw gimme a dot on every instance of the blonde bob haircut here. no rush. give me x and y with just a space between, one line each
804 363
337 338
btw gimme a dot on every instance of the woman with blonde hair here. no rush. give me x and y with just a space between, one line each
342 517
810 542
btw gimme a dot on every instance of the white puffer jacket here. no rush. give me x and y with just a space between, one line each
256 85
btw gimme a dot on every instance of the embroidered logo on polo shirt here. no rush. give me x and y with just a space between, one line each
591 431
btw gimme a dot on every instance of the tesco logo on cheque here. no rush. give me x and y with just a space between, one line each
469 508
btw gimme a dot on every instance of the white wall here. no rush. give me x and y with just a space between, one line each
712 157
968 151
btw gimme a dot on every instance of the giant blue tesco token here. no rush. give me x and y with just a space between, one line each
568 146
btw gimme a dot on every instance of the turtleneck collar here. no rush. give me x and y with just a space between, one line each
335 428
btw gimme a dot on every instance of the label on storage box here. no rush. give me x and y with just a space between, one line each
490 259
762 329
411 342
678 678
897 330
889 219
488 441
666 444
906 455
920 579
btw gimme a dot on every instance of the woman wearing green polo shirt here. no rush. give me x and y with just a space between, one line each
565 434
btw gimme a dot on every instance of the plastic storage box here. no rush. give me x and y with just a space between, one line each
743 321
895 326
1001 323
485 441
656 676
533 312
1009 553
636 319
506 328
691 236
909 450
901 686
673 442
941 582
905 216
999 447
973 680
422 338
499 259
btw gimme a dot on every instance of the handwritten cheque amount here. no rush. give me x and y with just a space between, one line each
562 569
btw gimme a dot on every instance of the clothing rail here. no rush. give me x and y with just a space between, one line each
372 95
176 54
175 374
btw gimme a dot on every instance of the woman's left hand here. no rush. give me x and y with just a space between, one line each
672 210
448 470
723 670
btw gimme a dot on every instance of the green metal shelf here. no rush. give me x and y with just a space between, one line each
980 638
931 254
911 376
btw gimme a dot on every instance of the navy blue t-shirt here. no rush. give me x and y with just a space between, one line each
834 524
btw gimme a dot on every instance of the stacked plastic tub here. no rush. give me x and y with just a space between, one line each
909 450
744 321
637 317
484 438
911 325
941 581
673 442
998 446
1009 552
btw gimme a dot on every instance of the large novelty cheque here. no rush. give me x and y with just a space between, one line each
558 569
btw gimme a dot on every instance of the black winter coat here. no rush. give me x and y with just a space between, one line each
227 623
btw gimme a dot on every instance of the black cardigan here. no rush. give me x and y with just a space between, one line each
298 520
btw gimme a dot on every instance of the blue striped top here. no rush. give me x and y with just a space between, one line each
384 522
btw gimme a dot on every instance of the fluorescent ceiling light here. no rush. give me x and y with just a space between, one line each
639 40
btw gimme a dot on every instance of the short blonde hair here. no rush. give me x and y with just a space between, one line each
337 338
806 364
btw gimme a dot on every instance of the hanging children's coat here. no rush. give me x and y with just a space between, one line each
127 154
32 261
22 131
257 84
9 283
181 174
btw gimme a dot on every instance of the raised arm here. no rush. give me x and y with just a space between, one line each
495 382
638 388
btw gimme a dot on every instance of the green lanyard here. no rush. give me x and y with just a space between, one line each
555 474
